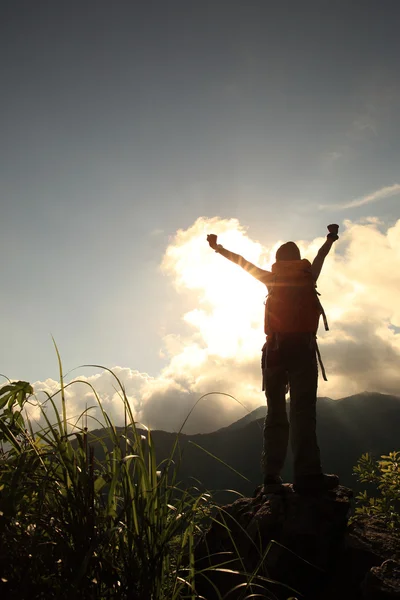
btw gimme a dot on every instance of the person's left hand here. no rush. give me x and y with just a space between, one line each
333 231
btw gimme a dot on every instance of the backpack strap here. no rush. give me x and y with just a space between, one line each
270 288
325 320
263 364
321 364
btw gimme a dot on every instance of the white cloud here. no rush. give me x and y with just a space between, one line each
376 196
360 286
364 123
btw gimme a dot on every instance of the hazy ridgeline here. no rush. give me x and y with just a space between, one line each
347 428
99 515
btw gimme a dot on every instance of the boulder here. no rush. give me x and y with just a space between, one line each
383 583
286 545
286 540
373 550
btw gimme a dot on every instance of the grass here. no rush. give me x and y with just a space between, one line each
73 527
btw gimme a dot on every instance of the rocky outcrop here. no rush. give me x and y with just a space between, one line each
383 583
375 553
296 546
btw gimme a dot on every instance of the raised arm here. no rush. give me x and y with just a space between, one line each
260 274
324 251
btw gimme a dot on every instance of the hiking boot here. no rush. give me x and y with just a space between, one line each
316 484
272 484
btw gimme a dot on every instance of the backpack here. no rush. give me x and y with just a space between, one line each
292 304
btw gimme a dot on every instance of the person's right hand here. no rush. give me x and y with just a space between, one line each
212 240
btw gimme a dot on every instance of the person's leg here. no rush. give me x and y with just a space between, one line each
276 425
303 378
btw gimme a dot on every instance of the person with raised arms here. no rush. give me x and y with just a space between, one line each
289 362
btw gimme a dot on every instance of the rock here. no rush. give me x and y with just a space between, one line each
370 535
374 553
383 583
303 542
281 537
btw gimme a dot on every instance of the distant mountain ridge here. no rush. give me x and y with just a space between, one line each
261 411
254 415
347 428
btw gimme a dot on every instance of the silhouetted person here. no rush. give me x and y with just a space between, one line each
289 361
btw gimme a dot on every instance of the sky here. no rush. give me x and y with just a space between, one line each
130 130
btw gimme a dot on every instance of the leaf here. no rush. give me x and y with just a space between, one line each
99 484
18 419
15 392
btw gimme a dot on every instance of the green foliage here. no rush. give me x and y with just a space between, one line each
384 476
72 527
75 527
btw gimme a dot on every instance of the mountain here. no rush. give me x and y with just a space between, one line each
347 428
258 413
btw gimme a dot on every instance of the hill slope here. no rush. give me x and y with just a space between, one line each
347 428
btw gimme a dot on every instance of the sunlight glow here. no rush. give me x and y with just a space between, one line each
358 295
229 316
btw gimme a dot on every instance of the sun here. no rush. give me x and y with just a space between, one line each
230 308
228 314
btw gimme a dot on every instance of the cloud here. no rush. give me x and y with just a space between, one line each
334 156
377 98
220 353
364 123
381 194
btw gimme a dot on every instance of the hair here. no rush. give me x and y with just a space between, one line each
288 251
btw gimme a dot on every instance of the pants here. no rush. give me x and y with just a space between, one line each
291 361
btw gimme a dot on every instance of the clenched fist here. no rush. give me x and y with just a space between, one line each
212 240
333 231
